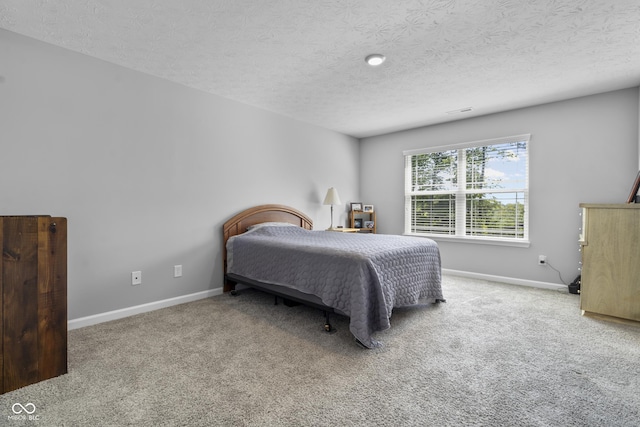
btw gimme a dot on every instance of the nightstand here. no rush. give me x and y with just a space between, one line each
365 220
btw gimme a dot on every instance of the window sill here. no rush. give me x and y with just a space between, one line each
474 240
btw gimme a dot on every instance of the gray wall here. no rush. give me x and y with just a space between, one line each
581 150
147 171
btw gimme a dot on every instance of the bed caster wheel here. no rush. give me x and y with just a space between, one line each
329 329
327 326
234 293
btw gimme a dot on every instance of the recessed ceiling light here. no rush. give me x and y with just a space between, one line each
375 59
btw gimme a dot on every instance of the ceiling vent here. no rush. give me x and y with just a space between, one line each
460 111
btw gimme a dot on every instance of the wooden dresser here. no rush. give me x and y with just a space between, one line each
33 300
611 260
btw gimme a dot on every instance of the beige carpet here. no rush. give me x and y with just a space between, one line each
493 354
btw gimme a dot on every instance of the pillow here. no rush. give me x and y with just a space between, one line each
270 224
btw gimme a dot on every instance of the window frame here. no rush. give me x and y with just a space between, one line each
460 191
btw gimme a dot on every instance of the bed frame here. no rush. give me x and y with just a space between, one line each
270 213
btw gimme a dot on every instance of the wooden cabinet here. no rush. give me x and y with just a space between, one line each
363 221
611 260
33 300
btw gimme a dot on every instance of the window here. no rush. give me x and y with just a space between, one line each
477 190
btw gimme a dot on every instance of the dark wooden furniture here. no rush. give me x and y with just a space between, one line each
33 299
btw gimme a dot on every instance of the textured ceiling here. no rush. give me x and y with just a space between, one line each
305 58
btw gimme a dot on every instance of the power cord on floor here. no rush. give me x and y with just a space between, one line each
557 271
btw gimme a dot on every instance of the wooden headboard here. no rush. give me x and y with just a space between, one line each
257 215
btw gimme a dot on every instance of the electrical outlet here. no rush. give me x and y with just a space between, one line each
542 259
177 271
136 277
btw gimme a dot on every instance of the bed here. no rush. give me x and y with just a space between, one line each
362 276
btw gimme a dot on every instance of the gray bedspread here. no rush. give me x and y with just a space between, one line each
361 275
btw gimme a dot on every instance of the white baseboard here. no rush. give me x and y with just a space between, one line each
510 280
130 311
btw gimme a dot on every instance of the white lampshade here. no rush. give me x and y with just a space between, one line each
332 197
